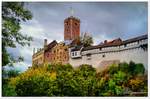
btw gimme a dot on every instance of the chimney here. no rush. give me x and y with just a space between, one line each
33 50
45 43
105 41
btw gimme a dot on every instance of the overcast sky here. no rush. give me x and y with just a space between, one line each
104 21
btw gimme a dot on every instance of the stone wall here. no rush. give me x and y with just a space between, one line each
38 58
125 53
60 54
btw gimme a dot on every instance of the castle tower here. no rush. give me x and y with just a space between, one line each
71 28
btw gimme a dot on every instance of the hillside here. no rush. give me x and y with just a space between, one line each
62 80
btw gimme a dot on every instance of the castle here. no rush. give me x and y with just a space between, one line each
99 56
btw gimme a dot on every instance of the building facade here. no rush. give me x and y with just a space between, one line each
107 53
60 54
48 55
43 55
38 57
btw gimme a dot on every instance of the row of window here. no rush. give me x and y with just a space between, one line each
74 53
67 23
58 50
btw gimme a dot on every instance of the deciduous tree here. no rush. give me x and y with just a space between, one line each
12 15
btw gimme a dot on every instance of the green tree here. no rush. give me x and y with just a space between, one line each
139 69
12 15
10 73
86 40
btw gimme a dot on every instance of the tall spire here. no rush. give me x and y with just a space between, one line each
71 11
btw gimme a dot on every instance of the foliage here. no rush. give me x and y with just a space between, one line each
12 15
63 80
138 83
139 69
86 40
10 73
8 89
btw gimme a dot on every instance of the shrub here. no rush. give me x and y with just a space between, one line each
8 90
139 69
137 83
34 82
120 77
63 80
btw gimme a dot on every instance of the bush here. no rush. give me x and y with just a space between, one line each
139 69
8 90
35 82
63 80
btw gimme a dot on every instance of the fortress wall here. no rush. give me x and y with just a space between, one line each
132 52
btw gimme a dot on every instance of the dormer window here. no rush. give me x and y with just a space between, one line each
75 53
72 53
100 49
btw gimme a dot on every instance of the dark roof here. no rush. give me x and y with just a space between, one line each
51 45
116 43
135 39
77 48
91 47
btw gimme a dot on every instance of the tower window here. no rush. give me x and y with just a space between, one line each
75 23
48 55
65 49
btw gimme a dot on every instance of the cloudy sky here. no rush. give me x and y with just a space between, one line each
104 21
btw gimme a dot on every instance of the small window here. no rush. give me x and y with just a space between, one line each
66 49
67 23
125 45
48 55
103 55
88 55
72 53
76 24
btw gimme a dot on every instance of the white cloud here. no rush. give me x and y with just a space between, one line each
21 66
33 28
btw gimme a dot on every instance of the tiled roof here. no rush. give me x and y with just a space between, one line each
51 45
